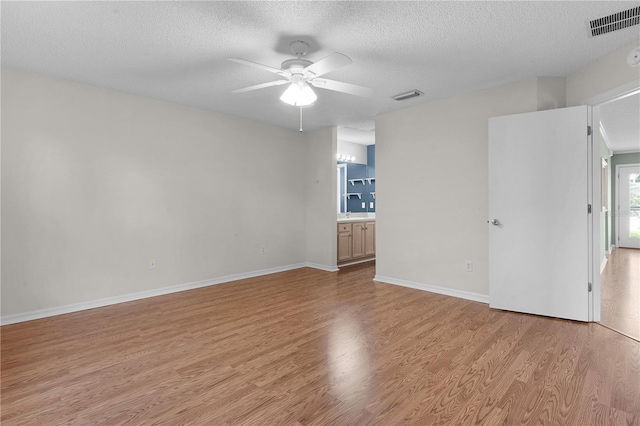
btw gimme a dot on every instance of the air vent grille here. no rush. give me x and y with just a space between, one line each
617 21
411 94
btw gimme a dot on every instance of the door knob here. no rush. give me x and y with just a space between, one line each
495 222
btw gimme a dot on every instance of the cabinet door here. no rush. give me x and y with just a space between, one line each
357 243
344 242
369 238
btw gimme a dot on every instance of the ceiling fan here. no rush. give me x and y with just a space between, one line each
301 73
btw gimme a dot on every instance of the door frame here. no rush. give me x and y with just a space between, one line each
594 183
617 210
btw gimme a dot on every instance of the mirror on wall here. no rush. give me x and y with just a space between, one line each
356 187
357 184
342 186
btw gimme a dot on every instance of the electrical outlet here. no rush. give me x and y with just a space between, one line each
468 266
263 250
152 264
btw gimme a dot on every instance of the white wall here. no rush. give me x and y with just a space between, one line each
321 184
357 150
96 182
607 73
551 93
431 177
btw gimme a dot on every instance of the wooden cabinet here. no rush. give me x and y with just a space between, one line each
344 241
369 238
356 241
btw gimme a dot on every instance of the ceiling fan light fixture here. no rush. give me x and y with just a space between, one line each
299 94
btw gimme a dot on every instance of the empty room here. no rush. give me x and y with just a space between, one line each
319 212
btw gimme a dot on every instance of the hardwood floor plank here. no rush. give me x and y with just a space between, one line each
620 292
308 347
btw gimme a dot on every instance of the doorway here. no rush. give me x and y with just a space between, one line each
618 122
628 205
620 278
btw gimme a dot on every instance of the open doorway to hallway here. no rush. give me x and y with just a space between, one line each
620 219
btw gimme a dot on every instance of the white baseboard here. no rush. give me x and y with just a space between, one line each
371 259
603 264
476 297
75 307
322 267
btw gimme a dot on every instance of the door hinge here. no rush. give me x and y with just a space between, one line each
589 131
589 208
589 287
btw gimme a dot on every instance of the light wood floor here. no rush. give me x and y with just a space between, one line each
620 284
308 347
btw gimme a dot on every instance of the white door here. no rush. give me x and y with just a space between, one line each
628 200
538 230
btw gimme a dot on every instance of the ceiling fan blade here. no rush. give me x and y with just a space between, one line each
340 86
328 64
260 66
261 86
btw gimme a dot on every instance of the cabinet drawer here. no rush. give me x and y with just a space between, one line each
344 227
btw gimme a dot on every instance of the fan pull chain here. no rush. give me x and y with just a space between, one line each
300 119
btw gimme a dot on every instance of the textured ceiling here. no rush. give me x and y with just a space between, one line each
621 122
176 51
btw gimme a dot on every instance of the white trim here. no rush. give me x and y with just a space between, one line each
603 264
342 197
476 297
322 267
626 152
594 198
357 262
605 139
615 94
75 307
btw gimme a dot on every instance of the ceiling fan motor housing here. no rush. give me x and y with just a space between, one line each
295 66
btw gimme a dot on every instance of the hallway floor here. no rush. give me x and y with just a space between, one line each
620 282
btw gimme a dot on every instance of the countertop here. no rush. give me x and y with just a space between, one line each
356 219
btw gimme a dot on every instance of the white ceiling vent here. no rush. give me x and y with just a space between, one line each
408 95
617 21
